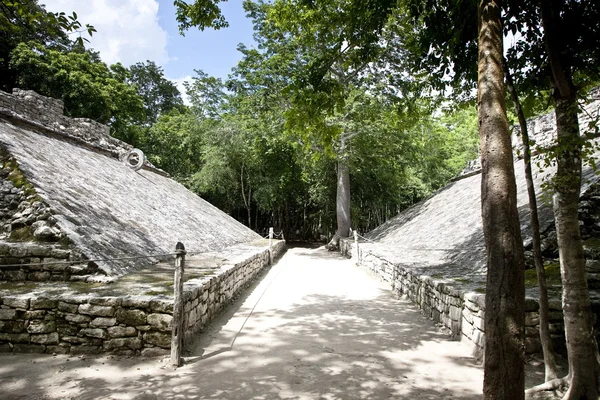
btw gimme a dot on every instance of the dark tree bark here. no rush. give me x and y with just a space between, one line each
545 339
581 344
505 288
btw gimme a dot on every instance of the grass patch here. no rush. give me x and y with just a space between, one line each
462 280
552 275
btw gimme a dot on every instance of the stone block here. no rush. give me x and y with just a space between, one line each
161 306
36 314
143 328
75 340
140 302
68 307
65 329
85 349
154 352
6 348
16 302
103 322
57 349
160 322
99 311
105 301
39 276
15 275
531 304
8 314
77 318
131 317
158 339
45 338
12 326
38 326
532 345
132 343
15 337
94 333
42 304
29 348
122 331
455 313
532 319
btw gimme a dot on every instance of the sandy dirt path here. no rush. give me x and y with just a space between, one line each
314 327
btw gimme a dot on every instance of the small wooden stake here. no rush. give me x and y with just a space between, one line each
270 246
356 246
177 336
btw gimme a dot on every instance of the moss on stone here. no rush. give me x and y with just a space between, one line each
22 235
462 280
552 275
17 178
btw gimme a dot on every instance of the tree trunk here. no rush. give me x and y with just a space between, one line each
581 344
545 339
504 376
342 204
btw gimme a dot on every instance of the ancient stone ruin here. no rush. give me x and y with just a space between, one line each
434 254
87 242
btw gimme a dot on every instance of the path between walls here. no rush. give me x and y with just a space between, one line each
314 327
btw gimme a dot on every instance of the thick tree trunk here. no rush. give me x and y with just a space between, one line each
579 332
505 289
581 344
547 348
342 206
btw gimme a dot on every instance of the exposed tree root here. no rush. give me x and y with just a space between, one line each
334 243
554 384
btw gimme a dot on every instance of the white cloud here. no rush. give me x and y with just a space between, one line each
127 30
179 83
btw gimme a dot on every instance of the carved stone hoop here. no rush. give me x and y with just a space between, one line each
135 159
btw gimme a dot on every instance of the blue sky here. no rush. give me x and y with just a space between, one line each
130 31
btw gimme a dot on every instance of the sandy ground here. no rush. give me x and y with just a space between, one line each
313 327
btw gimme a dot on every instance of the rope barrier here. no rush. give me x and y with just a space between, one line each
414 248
87 261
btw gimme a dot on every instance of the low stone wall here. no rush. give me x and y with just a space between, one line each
461 312
128 325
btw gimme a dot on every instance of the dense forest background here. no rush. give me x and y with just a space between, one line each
245 144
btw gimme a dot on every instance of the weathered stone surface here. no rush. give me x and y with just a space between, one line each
15 337
158 339
154 352
85 349
37 326
75 339
105 301
121 331
103 322
36 314
139 302
130 343
28 348
162 306
41 303
39 276
94 332
7 314
12 326
161 322
131 317
78 318
68 307
50 338
16 302
101 311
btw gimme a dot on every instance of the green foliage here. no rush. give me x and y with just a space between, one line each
201 13
160 95
86 85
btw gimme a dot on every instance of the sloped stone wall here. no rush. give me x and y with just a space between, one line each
129 325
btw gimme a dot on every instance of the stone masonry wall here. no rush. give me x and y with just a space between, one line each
47 112
128 325
461 312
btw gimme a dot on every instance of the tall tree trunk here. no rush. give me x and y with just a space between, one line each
342 204
581 344
504 376
545 338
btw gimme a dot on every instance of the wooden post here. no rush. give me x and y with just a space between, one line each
356 246
177 336
270 246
